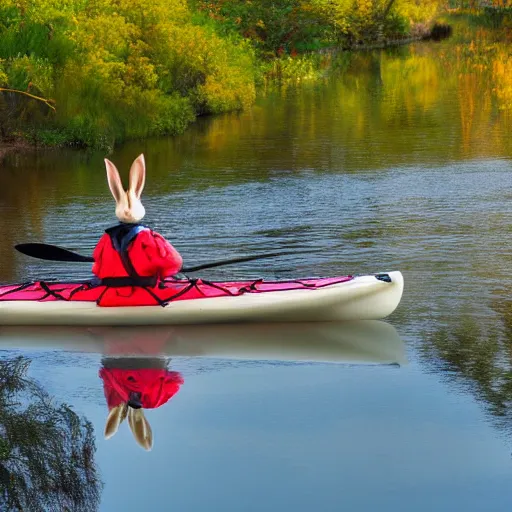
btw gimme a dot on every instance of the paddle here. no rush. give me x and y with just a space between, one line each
237 260
51 252
54 253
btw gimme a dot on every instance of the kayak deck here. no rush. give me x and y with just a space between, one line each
342 298
168 291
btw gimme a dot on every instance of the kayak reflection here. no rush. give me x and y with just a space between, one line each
135 365
132 385
369 341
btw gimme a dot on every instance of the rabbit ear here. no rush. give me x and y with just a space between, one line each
137 176
115 417
140 428
114 181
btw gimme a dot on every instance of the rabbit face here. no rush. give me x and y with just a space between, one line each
128 205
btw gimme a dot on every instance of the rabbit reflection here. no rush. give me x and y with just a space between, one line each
132 385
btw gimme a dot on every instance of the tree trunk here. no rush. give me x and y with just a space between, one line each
386 10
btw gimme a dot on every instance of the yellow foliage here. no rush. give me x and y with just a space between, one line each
140 71
145 14
45 11
418 10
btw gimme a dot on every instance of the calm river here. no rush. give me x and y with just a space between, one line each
399 160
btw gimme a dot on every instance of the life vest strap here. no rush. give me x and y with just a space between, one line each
121 246
120 282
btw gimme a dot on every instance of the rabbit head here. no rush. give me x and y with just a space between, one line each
129 209
139 425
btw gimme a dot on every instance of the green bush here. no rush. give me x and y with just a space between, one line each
116 69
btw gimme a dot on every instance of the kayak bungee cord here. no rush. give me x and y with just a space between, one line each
168 291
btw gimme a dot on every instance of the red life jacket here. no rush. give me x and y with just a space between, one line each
129 260
156 386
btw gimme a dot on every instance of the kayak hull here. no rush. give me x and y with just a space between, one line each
361 298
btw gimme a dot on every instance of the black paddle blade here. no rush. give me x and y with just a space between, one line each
51 252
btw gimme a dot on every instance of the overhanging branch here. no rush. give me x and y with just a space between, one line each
47 102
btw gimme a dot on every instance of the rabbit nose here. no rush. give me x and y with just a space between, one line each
135 400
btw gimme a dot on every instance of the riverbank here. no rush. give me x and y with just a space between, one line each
167 64
15 146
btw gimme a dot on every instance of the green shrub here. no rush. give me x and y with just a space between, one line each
117 69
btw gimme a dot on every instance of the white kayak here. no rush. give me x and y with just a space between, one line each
366 297
358 342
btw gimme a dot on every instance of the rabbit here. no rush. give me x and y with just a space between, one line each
131 254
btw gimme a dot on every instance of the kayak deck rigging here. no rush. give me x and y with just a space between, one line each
167 291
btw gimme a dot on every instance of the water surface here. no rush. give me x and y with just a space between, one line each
402 160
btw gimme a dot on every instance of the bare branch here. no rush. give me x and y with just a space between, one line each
46 101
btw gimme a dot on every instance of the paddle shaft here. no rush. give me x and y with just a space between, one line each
236 260
54 253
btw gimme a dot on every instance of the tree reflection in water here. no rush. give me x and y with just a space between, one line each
478 356
46 449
